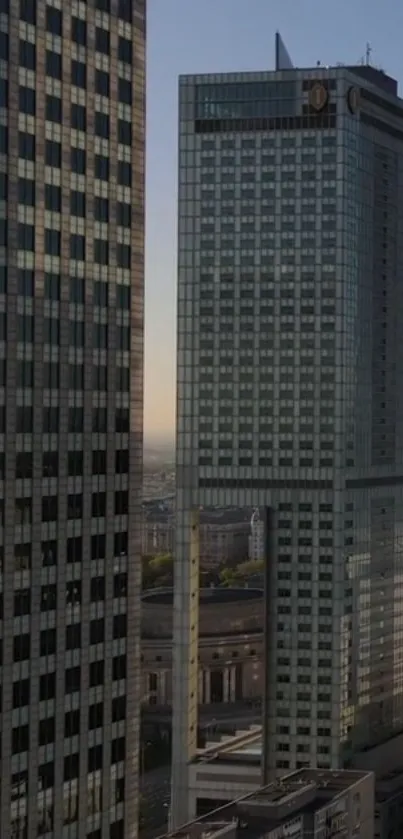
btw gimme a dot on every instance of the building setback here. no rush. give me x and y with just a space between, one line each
72 107
290 366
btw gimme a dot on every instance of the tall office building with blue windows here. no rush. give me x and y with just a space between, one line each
71 347
290 375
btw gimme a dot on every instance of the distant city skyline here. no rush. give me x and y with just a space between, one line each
183 40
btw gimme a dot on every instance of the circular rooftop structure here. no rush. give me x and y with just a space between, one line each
207 596
222 611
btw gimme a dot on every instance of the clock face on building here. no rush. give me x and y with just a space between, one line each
318 96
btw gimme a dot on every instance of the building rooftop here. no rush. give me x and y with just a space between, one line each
284 802
207 596
245 746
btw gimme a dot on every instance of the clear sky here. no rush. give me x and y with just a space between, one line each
200 36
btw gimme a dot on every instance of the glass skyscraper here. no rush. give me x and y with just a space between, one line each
71 360
290 373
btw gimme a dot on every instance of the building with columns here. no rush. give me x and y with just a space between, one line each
230 653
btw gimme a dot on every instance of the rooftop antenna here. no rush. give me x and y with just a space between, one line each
368 53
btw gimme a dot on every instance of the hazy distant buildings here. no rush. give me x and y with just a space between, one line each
290 371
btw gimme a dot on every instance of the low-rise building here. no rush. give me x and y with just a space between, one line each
230 645
306 804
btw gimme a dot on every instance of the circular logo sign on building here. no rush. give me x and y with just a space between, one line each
318 96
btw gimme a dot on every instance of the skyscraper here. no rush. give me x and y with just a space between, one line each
290 371
71 350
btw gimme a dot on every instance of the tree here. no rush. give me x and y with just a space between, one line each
240 574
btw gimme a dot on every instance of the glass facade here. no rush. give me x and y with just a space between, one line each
288 364
71 308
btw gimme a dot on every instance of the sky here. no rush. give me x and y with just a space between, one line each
207 36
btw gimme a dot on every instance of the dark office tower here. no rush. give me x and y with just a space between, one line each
71 349
290 383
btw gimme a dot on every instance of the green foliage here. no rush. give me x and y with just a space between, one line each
239 575
157 570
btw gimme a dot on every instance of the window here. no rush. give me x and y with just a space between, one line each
98 546
118 750
102 82
24 419
124 132
26 237
76 377
27 100
22 602
53 197
121 502
94 758
20 738
79 31
100 293
99 462
27 56
26 192
77 246
51 331
78 117
99 420
101 167
122 462
97 631
77 204
124 173
46 731
100 335
97 589
71 767
102 40
28 11
120 626
71 723
98 506
53 20
52 242
101 209
47 686
46 772
23 467
48 642
48 598
76 289
122 423
22 647
25 328
72 679
49 508
79 74
120 546
26 145
53 66
51 375
120 585
100 378
26 282
124 214
49 553
75 419
101 251
123 297
73 593
74 506
50 464
75 463
97 669
78 160
125 91
123 256
52 287
119 668
102 125
74 549
53 108
125 50
73 636
95 716
118 708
